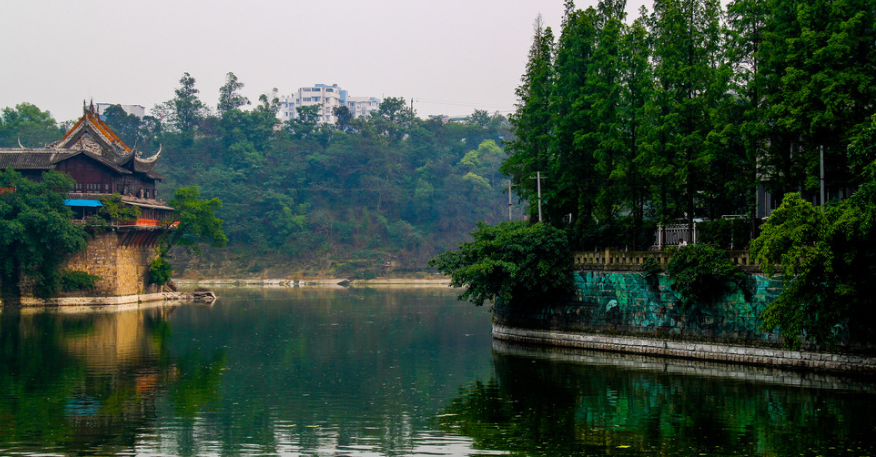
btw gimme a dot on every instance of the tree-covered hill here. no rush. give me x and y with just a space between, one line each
371 196
375 195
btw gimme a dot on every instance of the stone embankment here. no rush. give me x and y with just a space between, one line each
772 357
315 282
625 310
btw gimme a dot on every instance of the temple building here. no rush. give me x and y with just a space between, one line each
102 165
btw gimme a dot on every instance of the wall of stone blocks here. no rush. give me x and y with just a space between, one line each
124 270
628 302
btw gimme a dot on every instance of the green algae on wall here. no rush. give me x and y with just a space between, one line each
631 303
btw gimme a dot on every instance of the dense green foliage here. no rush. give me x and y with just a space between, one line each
76 280
36 232
193 223
112 212
160 270
386 191
681 113
828 259
28 126
515 262
733 233
310 198
701 274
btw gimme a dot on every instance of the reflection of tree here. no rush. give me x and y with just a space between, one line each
543 407
325 369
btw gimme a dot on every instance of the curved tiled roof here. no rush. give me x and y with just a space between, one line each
28 158
89 136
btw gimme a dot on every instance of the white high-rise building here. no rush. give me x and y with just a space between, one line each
329 98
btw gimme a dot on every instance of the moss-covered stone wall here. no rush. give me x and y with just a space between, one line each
629 302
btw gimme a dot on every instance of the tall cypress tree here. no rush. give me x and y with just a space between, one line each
573 183
744 133
636 92
531 123
687 40
824 58
605 96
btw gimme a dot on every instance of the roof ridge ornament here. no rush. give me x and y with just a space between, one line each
153 158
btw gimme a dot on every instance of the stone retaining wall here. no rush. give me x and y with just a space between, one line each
123 267
121 259
630 302
691 350
628 311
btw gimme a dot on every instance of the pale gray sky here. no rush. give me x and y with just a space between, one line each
450 56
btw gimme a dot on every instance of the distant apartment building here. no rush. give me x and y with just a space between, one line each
136 110
329 98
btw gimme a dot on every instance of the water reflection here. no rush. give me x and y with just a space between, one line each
85 382
382 372
263 372
548 402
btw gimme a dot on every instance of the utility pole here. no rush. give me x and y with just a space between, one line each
539 177
510 185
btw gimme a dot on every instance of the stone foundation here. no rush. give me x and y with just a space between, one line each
121 259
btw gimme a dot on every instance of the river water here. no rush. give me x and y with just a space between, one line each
373 372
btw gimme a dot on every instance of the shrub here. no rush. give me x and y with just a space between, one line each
76 280
160 271
700 273
515 262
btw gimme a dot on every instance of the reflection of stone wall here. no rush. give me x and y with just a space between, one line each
630 303
120 259
113 340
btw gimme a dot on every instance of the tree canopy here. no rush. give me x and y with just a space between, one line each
193 223
28 126
36 232
517 263
828 259
684 112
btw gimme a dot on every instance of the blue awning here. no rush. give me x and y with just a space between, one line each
87 203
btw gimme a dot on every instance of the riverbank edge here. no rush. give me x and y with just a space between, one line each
686 367
92 301
768 357
315 282
338 283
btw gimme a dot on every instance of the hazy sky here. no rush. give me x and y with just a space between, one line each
450 56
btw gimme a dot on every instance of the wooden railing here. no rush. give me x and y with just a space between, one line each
633 260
